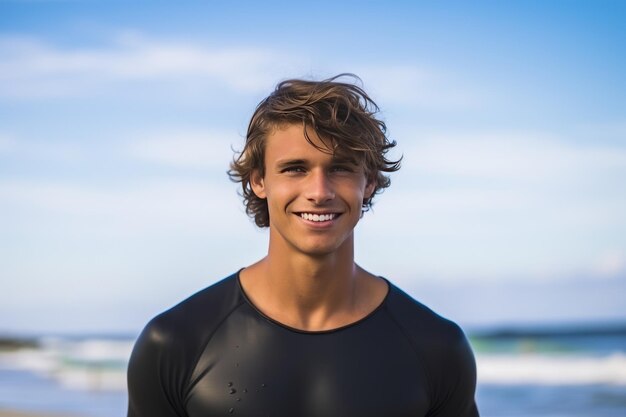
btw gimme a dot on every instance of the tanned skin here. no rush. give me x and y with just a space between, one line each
309 280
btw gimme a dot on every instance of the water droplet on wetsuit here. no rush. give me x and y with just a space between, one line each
230 384
233 390
231 411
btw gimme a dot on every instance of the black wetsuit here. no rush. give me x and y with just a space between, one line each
215 354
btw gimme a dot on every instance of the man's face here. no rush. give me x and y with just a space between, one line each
314 198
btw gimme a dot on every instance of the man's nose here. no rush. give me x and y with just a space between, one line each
319 188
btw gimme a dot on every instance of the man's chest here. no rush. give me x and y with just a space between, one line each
252 367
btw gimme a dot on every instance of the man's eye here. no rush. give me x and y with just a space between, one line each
293 169
342 168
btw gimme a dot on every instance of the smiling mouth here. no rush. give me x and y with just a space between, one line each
313 217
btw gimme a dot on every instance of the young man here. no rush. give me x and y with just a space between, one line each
305 331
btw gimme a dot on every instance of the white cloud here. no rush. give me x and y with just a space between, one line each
495 205
530 157
7 143
611 264
32 68
19 149
186 148
180 148
409 85
183 205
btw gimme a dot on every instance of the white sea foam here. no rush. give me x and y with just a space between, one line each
552 369
91 364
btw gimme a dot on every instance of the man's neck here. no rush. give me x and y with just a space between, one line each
310 292
314 281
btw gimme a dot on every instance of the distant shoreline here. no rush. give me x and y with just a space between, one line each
550 331
12 342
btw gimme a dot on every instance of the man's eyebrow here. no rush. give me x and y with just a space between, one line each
336 160
290 162
345 160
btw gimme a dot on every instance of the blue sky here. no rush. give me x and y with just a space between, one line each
117 121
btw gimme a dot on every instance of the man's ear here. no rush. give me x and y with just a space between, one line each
257 184
369 188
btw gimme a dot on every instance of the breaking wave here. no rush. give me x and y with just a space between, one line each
551 369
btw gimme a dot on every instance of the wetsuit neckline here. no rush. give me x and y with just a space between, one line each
313 332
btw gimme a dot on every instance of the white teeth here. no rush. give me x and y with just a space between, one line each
318 217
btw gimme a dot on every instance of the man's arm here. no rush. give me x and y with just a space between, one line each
151 385
455 382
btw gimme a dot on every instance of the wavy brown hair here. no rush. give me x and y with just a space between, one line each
341 114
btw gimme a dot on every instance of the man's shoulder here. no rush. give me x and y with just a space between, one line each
165 354
443 350
195 316
421 324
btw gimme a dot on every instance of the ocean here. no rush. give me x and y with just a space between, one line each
568 371
540 372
